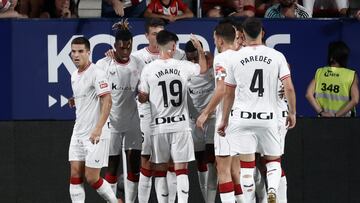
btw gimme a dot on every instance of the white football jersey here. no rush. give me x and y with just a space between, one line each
256 72
87 87
145 56
123 79
165 81
201 89
221 64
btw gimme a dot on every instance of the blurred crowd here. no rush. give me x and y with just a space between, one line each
172 10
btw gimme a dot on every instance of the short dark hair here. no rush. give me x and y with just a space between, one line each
153 22
189 47
226 30
164 37
81 40
252 27
338 52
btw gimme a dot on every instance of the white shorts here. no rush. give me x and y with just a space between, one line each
179 146
202 138
94 155
132 140
282 131
146 132
221 145
251 139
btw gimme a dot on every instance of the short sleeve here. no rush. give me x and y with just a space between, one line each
101 83
220 66
230 77
192 69
284 71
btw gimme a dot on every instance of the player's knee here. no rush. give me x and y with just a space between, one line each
91 179
113 165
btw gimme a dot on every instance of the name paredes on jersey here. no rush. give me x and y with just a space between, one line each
167 71
170 119
249 59
257 115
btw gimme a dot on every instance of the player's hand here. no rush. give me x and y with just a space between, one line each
110 53
196 42
118 7
200 121
95 136
291 121
71 102
221 128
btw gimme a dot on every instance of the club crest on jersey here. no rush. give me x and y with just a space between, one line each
220 72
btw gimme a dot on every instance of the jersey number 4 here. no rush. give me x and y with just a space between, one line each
257 80
175 87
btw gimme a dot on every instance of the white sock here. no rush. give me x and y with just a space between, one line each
112 180
131 193
104 190
227 192
77 193
260 187
203 182
144 186
227 197
248 183
211 183
273 175
172 185
282 196
182 187
161 189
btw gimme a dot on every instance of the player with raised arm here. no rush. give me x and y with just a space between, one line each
249 118
171 136
201 89
123 72
89 145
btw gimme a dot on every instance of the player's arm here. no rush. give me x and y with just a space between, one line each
143 95
229 97
291 99
354 92
105 107
310 92
215 100
201 53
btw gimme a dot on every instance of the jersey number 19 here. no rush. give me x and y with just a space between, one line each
175 87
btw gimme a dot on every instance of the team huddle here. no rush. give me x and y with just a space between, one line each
167 107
